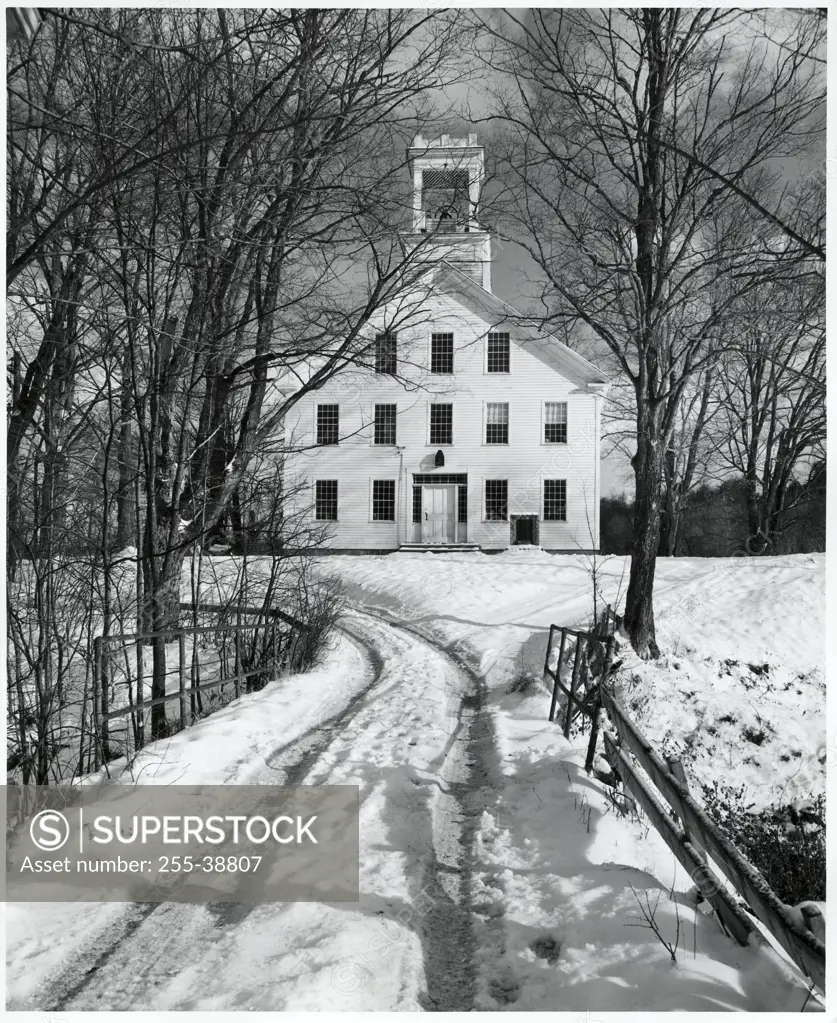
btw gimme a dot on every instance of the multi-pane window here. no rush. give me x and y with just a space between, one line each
462 504
385 424
441 353
416 504
383 500
496 500
326 499
498 353
555 500
386 353
441 424
555 422
497 422
328 424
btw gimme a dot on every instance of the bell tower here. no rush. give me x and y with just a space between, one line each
447 176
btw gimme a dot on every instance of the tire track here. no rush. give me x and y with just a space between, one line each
75 977
458 945
450 933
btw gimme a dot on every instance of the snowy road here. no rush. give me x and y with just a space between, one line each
494 873
414 738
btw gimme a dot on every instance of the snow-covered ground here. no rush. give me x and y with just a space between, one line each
739 691
494 872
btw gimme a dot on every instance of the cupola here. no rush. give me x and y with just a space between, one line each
447 177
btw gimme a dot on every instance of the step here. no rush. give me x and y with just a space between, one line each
438 548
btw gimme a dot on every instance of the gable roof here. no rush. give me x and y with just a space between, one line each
552 351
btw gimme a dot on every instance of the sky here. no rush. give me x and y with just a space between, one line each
515 277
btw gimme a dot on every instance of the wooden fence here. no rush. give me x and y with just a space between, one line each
696 838
240 654
592 656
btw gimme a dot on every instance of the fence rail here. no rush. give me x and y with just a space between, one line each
697 837
230 653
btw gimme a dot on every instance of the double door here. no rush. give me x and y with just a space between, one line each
438 513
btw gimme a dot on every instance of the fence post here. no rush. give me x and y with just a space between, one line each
181 651
594 733
237 652
557 671
573 686
597 706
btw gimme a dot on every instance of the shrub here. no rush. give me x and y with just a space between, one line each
319 604
787 846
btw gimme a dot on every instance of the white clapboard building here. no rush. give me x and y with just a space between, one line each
469 427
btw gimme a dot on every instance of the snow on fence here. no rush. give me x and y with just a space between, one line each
208 658
697 837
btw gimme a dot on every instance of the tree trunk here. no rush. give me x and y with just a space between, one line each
756 538
161 610
126 508
639 602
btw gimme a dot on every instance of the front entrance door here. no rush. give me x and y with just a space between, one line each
438 514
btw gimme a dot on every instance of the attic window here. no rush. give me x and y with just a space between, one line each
498 353
386 353
441 353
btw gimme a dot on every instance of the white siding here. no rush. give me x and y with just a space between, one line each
525 462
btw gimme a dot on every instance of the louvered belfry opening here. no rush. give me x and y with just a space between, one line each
445 200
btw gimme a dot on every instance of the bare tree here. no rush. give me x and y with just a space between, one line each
229 182
636 241
770 421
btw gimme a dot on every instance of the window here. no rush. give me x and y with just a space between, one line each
383 500
328 424
555 422
326 500
497 422
555 500
441 353
416 504
441 424
386 353
498 353
385 424
462 504
496 500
